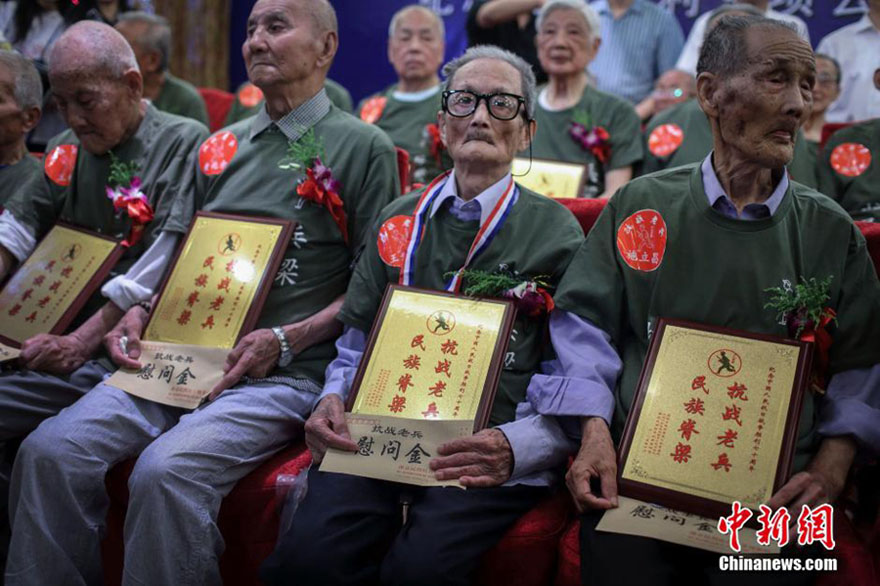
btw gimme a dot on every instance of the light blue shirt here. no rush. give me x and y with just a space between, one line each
636 49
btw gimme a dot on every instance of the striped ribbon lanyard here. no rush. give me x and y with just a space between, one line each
487 232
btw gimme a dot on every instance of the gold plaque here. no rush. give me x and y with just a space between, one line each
432 355
714 419
54 283
220 279
550 178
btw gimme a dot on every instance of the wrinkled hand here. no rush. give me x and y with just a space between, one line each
53 354
131 326
595 459
326 428
255 355
482 460
821 482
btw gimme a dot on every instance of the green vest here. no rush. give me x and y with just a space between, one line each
697 143
238 111
715 270
164 147
406 123
317 262
856 187
523 245
182 98
552 139
14 177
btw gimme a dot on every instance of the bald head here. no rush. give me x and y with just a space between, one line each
323 15
92 48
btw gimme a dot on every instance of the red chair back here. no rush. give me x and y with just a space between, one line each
830 128
585 210
218 103
403 169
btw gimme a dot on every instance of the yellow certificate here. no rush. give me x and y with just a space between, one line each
48 290
220 279
432 355
550 178
714 420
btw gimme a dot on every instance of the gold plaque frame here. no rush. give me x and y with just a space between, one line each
186 255
550 178
640 473
105 252
503 309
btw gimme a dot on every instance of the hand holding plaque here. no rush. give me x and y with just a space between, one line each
212 297
50 288
714 418
431 357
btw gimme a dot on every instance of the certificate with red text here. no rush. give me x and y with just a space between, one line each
714 419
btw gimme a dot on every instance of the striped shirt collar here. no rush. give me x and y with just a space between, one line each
295 123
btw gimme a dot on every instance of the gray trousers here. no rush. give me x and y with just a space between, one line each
27 398
188 462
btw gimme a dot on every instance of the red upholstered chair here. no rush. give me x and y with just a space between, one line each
830 128
585 210
218 103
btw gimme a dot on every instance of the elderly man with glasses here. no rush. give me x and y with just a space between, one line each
342 530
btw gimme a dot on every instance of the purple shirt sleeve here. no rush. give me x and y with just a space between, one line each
339 375
851 406
582 380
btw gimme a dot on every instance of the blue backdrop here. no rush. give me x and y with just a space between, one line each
362 65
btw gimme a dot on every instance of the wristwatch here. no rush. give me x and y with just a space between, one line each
286 355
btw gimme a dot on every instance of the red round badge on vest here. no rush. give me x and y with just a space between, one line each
665 140
373 108
641 240
393 239
216 152
850 159
60 163
250 95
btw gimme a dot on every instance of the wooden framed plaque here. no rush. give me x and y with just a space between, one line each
50 288
220 279
714 419
433 355
550 178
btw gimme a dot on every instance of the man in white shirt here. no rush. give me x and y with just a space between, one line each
687 61
857 48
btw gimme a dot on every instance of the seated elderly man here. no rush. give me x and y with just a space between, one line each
849 167
682 135
191 460
735 227
580 124
97 85
249 100
150 37
341 529
407 111
21 96
673 87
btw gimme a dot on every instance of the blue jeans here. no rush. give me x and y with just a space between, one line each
188 462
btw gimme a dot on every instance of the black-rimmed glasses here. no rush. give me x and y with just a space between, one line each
463 103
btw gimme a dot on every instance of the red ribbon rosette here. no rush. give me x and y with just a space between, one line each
132 202
321 188
821 339
437 147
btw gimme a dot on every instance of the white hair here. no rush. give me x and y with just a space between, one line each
27 87
395 20
587 11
